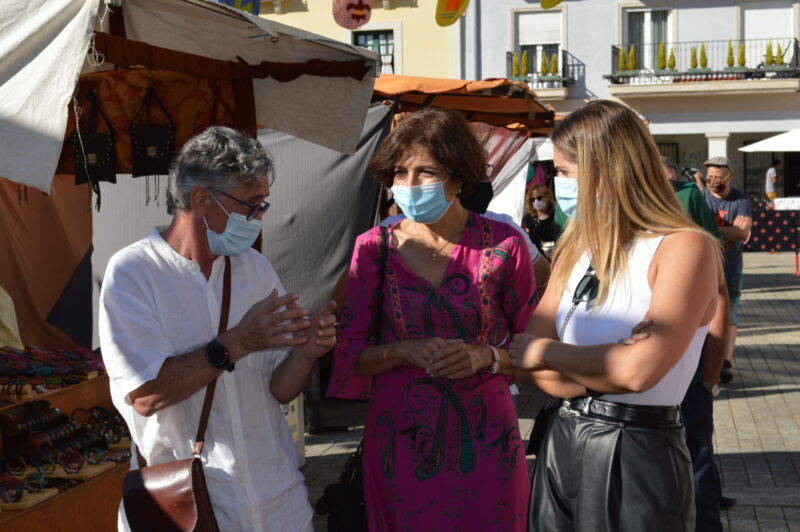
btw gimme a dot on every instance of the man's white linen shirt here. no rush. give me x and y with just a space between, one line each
154 304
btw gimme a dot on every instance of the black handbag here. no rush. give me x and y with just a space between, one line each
152 145
95 153
343 501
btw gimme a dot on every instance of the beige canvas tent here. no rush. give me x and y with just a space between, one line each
286 79
276 76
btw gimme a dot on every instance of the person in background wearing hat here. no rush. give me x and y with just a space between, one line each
697 407
731 208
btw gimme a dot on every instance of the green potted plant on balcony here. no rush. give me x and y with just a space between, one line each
523 68
774 62
665 67
632 59
731 62
626 64
702 68
550 74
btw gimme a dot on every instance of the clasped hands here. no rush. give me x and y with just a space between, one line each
449 359
527 353
278 321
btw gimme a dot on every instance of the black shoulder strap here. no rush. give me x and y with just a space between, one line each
381 275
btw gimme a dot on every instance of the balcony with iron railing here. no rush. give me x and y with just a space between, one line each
547 74
732 67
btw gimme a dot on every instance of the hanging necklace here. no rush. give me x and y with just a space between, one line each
435 253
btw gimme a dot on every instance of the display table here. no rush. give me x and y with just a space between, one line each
773 230
87 507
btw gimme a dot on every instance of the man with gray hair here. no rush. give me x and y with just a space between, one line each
159 309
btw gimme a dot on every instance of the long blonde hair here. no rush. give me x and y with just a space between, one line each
623 193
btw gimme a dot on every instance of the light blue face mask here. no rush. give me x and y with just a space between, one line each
238 236
425 204
567 195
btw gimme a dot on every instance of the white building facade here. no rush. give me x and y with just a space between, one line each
709 75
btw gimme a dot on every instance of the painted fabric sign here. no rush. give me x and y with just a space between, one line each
352 14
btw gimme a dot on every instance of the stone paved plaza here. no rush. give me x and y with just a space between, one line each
757 415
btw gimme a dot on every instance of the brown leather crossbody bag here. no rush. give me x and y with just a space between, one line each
173 497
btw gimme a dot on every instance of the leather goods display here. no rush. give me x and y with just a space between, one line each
173 496
95 155
152 144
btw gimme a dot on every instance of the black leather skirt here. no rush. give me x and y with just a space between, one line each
595 473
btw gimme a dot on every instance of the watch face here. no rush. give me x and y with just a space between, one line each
715 390
216 354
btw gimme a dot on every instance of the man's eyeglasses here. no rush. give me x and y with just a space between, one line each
255 210
586 291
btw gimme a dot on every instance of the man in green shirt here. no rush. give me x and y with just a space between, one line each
697 408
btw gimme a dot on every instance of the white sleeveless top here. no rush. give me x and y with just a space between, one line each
626 305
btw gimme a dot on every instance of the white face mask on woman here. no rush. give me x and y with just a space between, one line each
540 205
567 195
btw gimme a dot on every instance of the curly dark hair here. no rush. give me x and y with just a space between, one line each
446 135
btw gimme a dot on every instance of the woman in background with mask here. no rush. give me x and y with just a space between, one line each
538 219
614 455
423 333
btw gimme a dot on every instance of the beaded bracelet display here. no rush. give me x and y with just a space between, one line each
57 434
95 456
16 464
11 489
34 482
43 462
42 420
70 461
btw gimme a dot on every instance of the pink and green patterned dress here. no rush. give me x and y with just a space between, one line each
439 454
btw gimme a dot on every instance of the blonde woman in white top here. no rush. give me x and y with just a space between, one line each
613 457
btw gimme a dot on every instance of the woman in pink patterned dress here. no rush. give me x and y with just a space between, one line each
424 336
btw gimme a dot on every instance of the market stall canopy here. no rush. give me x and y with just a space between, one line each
498 102
308 86
789 141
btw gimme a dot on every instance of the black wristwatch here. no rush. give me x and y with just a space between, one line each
217 355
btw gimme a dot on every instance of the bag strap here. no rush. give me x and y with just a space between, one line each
223 326
150 95
378 335
94 110
209 398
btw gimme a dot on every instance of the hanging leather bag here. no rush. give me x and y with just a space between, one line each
152 145
95 153
173 497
